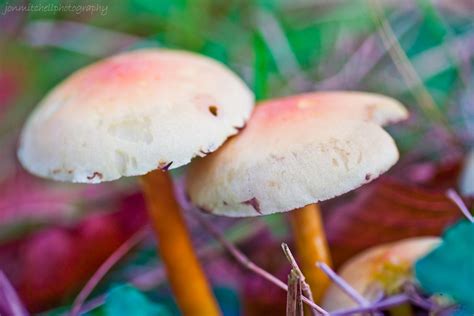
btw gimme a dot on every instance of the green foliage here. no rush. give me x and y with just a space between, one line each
432 34
449 269
277 225
262 65
228 300
461 312
127 300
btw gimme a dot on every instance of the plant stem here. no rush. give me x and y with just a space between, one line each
453 196
304 286
382 305
311 246
105 267
10 303
404 66
187 280
294 306
343 285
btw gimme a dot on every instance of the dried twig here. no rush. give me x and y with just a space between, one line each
245 261
418 300
10 303
384 304
118 254
454 196
294 303
305 287
274 36
343 285
363 60
403 64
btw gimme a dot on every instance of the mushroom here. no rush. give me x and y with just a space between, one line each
294 152
378 271
141 113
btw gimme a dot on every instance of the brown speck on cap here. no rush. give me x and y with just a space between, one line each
205 152
94 175
253 202
240 128
204 209
213 109
277 158
163 165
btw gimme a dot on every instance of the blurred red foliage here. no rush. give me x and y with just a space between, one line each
389 209
50 265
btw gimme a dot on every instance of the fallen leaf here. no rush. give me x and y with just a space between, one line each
28 203
51 265
384 211
449 269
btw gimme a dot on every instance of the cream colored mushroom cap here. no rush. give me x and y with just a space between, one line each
365 272
290 156
133 113
355 105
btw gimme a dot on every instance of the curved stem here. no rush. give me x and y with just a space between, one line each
343 285
184 272
454 196
311 246
118 254
10 303
382 305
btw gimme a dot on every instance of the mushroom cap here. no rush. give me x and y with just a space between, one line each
355 105
372 270
288 156
133 113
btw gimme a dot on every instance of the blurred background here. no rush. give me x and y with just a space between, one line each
53 236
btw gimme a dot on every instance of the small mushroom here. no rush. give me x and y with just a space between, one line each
294 152
380 270
141 113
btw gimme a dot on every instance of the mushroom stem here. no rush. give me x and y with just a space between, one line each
311 246
184 272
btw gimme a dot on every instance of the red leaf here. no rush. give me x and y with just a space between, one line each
52 264
385 211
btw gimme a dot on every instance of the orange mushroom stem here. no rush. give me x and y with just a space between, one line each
187 279
311 246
